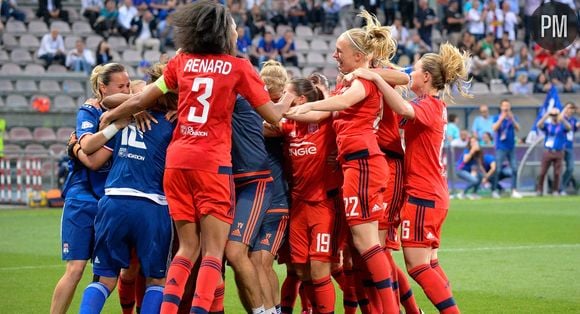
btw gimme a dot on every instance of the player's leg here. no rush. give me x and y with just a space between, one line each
569 159
265 285
77 236
290 286
499 159
126 285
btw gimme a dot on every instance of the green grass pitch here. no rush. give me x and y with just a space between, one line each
502 256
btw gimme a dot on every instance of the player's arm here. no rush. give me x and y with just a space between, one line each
113 101
273 112
93 142
496 125
541 122
146 99
393 77
490 172
354 94
567 125
96 160
272 130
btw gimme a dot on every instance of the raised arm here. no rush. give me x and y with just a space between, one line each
540 124
91 144
273 112
393 77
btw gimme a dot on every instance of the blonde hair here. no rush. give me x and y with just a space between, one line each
274 75
448 68
155 71
102 75
136 83
373 40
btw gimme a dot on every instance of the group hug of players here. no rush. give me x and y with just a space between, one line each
239 163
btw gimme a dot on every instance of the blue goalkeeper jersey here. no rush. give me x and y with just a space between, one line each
139 161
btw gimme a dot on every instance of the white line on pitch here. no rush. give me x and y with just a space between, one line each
30 267
512 248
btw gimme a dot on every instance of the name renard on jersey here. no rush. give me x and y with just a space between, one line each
302 149
208 65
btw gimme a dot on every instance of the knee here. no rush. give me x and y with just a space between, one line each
236 255
319 269
75 271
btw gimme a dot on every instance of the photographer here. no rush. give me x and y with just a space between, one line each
555 138
505 125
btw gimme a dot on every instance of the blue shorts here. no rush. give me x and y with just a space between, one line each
77 230
273 232
126 222
253 198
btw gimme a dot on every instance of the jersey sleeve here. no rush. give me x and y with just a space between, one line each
169 75
87 121
369 86
423 113
251 86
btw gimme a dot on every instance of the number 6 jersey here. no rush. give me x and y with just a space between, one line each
207 86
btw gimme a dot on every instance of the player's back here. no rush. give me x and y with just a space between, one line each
249 156
139 160
389 137
207 86
356 126
425 173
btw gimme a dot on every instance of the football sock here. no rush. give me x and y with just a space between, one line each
177 275
126 289
406 294
435 288
379 268
324 295
340 278
152 300
218 300
94 298
289 292
439 270
349 294
278 309
139 291
210 273
259 310
307 295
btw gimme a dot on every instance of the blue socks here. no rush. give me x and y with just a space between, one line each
152 300
94 298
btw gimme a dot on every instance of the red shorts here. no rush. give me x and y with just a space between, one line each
363 187
394 197
421 223
313 231
284 253
192 194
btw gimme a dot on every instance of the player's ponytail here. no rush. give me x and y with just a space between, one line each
448 68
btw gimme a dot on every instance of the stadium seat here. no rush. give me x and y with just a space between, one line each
56 68
6 86
82 28
332 44
62 26
301 45
330 72
281 29
131 71
12 150
73 14
4 57
93 41
34 69
10 69
301 58
21 56
479 89
35 149
10 41
62 134
17 103
308 70
315 59
295 71
29 42
49 87
57 150
15 27
49 167
498 88
20 134
64 103
73 88
2 105
26 86
319 45
118 43
330 59
42 134
152 56
304 31
131 57
70 42
37 28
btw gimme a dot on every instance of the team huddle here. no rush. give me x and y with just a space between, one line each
248 168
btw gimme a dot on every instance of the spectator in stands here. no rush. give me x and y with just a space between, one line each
574 65
9 8
347 13
523 63
257 21
166 29
91 9
278 14
482 123
510 20
502 45
106 23
554 143
452 127
486 140
494 20
505 126
529 7
127 12
297 12
484 67
51 9
490 167
475 18
162 8
542 84
486 44
51 48
407 8
267 49
563 78
462 140
331 16
244 46
544 58
568 115
287 49
506 66
80 59
522 86
146 32
468 43
416 46
401 34
468 169
238 13
103 54
424 20
453 22
142 5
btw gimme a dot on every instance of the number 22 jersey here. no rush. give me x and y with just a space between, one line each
207 86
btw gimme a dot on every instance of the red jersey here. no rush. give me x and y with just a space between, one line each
308 146
388 134
425 172
207 86
355 126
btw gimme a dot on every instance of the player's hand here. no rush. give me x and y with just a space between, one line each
143 120
122 123
105 120
71 145
361 73
171 115
298 110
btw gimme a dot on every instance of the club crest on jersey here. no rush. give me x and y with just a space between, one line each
87 125
65 248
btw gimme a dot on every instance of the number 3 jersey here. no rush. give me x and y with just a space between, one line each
139 161
207 87
425 173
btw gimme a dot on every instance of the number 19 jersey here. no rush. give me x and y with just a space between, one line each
207 86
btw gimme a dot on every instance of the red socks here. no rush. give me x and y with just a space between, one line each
406 294
140 287
439 270
324 295
289 292
126 290
379 268
435 288
218 301
177 275
349 293
210 273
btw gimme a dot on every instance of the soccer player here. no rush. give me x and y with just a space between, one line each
427 201
363 165
133 214
84 185
198 180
